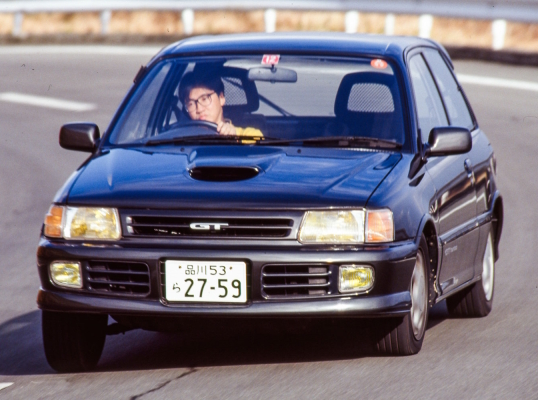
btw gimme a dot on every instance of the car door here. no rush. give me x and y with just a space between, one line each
460 114
455 202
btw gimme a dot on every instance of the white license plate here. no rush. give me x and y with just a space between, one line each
206 281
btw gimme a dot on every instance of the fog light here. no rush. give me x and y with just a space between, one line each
66 274
355 278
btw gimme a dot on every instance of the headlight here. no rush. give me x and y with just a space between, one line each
83 223
333 227
347 227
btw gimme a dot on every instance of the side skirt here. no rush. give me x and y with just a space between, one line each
458 288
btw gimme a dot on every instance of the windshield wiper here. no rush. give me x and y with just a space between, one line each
332 141
339 141
209 139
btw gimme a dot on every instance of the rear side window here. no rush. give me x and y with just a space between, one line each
430 109
456 106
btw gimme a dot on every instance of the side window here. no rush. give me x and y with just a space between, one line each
455 103
129 129
430 110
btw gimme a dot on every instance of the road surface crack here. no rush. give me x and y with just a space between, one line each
184 374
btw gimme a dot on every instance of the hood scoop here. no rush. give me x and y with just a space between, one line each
223 174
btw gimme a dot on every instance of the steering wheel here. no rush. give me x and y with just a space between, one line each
202 124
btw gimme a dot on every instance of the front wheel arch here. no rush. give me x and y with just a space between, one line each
398 336
432 241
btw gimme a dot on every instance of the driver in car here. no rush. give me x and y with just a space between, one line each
203 99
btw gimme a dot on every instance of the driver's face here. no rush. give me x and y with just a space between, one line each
211 112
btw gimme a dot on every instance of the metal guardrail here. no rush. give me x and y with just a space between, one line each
498 11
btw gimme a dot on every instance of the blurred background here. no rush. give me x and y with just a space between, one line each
487 24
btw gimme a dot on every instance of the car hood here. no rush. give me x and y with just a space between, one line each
287 177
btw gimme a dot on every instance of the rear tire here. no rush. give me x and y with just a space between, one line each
477 300
405 336
73 342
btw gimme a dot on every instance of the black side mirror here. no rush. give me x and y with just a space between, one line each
80 136
450 140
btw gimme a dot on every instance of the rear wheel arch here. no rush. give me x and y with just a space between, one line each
497 223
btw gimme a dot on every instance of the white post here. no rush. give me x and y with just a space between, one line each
498 31
187 17
352 21
270 20
390 21
425 24
105 21
17 23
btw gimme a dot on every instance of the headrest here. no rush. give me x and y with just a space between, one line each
240 92
365 92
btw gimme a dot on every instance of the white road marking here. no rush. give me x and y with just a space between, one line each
5 385
48 102
91 50
498 82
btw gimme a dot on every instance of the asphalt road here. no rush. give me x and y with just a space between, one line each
493 357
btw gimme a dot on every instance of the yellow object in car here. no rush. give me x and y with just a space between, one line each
248 131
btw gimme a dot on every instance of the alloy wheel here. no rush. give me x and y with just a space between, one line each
488 270
418 298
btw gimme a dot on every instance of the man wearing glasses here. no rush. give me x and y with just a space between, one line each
203 99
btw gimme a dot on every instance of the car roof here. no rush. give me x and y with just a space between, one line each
331 43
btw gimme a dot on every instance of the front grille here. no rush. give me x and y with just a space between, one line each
192 227
126 278
296 280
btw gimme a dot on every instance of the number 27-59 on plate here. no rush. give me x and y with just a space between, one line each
206 281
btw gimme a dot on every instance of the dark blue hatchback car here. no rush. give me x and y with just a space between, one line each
276 176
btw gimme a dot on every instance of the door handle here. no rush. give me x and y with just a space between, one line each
468 165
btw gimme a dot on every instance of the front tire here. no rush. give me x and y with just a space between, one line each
476 301
73 342
405 336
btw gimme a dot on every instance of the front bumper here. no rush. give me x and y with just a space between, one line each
389 297
395 304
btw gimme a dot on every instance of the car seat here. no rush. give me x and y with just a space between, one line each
367 105
242 99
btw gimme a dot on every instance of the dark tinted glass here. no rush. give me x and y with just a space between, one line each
455 104
430 109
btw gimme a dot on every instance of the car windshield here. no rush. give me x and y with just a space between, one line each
274 98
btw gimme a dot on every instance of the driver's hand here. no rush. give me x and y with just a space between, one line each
226 128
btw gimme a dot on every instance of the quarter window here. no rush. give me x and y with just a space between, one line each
430 110
455 104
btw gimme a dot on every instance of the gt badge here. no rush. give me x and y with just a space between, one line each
203 226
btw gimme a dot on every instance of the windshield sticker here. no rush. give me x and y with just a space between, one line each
270 59
378 63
